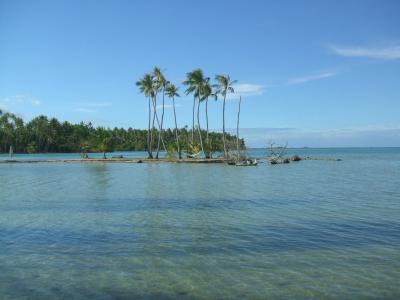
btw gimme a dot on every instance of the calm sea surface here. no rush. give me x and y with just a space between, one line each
307 230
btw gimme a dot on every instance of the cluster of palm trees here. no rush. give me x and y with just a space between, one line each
154 84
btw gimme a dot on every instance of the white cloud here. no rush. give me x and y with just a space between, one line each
35 102
367 136
304 79
91 107
85 110
167 106
95 104
246 90
386 53
12 101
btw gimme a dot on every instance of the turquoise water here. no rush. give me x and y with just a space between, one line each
51 156
307 230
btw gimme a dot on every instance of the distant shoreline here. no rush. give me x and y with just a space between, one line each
116 160
142 160
162 151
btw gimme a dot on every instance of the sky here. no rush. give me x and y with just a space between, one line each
310 73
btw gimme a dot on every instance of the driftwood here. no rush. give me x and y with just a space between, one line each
276 153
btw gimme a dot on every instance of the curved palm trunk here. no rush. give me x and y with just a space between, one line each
208 155
223 126
176 130
152 127
148 132
198 124
161 127
194 105
237 130
155 118
162 139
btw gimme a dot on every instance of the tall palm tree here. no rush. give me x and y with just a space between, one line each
206 93
146 87
200 98
237 130
194 81
224 85
160 84
172 92
155 89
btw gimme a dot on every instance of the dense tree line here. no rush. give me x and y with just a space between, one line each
43 134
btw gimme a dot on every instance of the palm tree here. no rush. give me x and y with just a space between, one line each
194 81
224 85
160 84
152 86
146 87
206 93
237 130
172 92
200 97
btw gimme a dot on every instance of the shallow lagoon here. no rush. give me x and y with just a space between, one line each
312 229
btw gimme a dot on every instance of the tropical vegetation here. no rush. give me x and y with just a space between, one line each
199 86
45 135
50 135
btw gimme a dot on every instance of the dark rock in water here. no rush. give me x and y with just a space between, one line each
295 158
139 161
286 161
339 159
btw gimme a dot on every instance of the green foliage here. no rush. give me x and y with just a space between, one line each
172 150
42 135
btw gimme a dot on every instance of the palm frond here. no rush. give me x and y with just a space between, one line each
233 82
190 90
171 90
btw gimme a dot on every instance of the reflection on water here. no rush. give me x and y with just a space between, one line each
98 176
313 229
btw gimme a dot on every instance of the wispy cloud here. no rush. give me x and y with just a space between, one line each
167 106
35 102
377 136
91 107
386 53
304 79
95 104
12 101
246 90
85 110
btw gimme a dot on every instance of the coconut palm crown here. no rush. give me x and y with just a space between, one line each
160 84
194 81
146 87
172 91
224 85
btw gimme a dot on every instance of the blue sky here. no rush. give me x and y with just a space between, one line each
312 73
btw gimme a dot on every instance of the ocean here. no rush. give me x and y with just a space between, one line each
314 229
